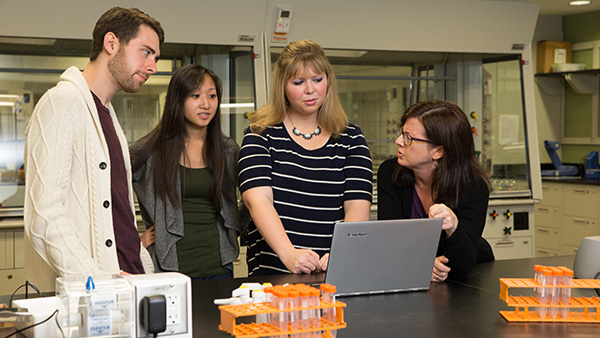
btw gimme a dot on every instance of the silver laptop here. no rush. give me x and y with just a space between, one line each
383 256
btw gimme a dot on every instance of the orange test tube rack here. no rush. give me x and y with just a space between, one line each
229 314
527 302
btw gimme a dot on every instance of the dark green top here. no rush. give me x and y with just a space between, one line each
198 251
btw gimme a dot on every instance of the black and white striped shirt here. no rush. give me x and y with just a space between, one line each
309 187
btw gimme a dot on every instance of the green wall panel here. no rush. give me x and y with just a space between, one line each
582 27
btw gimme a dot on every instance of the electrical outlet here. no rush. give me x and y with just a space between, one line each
174 308
176 288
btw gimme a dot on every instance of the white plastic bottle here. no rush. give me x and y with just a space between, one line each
259 296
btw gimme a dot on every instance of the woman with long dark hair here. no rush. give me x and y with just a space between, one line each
185 180
436 174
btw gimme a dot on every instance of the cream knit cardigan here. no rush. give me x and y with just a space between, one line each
67 170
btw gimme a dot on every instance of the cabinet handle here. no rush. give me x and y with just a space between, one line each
578 191
543 251
543 209
580 221
505 244
543 231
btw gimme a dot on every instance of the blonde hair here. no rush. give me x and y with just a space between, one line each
296 58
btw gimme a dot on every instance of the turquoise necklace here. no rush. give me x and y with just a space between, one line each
306 136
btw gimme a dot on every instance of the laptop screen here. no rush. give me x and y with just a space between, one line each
383 256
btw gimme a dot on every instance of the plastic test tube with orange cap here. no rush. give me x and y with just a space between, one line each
565 293
315 318
557 275
305 313
546 279
294 316
328 296
537 276
279 304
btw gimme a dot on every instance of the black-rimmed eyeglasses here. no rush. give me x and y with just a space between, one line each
408 140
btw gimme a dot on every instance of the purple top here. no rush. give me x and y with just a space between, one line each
417 207
126 236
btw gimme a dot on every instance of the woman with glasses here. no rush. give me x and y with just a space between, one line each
436 174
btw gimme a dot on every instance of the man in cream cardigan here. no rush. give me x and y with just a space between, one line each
79 213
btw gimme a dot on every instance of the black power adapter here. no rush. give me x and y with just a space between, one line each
153 313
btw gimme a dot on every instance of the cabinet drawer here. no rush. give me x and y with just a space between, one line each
580 201
568 249
543 252
551 194
547 216
547 237
511 247
574 229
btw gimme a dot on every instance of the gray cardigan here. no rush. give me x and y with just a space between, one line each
168 218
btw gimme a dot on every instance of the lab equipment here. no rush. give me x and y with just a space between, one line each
98 306
284 19
587 264
559 168
112 306
578 306
591 165
241 295
294 328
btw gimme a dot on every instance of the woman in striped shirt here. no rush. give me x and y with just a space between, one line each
303 167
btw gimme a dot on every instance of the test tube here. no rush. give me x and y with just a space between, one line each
294 316
537 276
268 290
555 292
305 312
316 312
328 296
275 316
565 293
546 279
283 296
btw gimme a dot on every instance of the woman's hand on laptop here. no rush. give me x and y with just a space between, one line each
440 269
300 260
324 261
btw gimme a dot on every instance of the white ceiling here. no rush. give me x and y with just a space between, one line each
561 7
